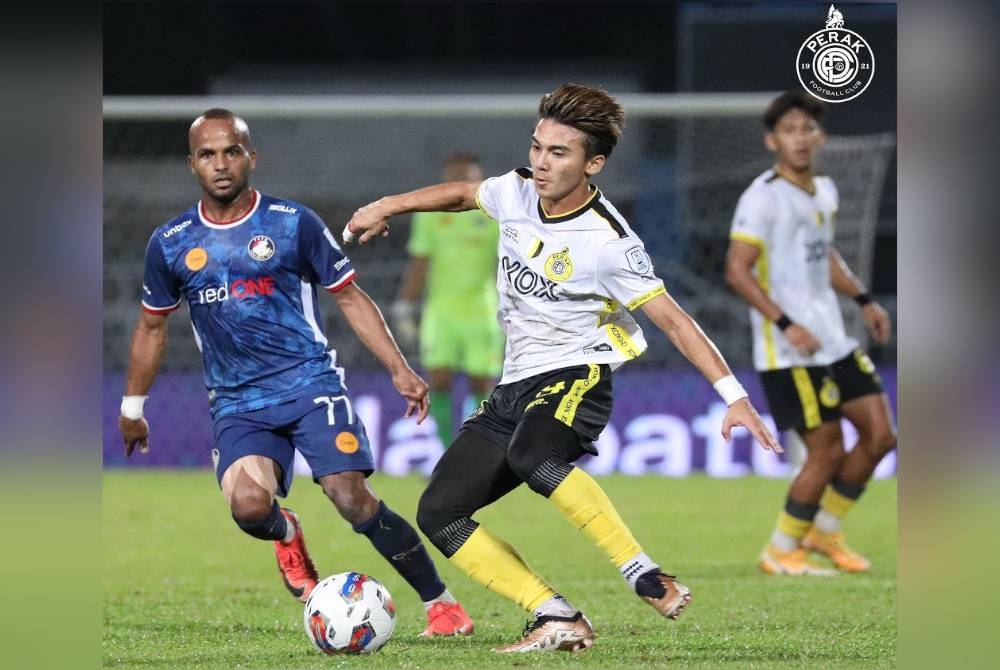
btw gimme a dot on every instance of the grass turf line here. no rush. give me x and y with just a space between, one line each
184 588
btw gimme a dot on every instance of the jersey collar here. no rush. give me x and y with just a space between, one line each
595 194
811 191
230 224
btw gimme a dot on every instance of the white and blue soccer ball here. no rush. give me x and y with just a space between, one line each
349 613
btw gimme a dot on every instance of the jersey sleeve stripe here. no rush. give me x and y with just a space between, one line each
524 172
612 220
748 238
646 297
341 283
160 310
479 204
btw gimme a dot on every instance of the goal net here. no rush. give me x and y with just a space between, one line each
676 175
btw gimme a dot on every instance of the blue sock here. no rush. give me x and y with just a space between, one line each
399 544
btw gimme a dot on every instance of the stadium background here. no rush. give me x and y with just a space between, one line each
675 178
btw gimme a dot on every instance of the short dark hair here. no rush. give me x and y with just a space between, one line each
784 103
220 113
588 109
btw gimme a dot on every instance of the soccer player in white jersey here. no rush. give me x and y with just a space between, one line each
570 272
783 261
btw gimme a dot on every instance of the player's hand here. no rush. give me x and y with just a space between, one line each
742 413
879 323
134 431
414 389
369 221
404 320
803 341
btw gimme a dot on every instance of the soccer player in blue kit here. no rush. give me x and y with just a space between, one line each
248 265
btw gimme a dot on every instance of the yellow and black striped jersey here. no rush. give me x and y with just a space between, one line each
566 282
794 230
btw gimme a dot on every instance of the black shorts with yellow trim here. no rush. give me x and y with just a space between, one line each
579 396
802 398
856 376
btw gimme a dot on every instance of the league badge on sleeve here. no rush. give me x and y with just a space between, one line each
638 260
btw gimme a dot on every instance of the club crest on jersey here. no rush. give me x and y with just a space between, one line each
261 248
558 266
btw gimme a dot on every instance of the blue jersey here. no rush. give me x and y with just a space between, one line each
251 288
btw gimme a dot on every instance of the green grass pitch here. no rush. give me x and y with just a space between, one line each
184 588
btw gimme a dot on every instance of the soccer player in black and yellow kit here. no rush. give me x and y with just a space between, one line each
571 271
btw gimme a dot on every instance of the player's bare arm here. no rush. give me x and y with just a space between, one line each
373 218
149 340
739 274
366 320
690 340
846 283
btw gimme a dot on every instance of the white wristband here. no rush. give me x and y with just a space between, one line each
730 389
132 406
347 234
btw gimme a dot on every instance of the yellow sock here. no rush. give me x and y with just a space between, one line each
792 526
587 506
836 503
499 567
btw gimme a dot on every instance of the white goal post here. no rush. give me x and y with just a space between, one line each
661 105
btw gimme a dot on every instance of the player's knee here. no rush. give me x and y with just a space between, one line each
440 520
882 440
349 493
249 504
433 511
541 451
832 457
828 458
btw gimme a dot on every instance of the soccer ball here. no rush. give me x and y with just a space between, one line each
349 613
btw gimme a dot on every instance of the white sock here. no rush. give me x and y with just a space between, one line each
784 542
637 566
826 522
289 531
445 597
555 606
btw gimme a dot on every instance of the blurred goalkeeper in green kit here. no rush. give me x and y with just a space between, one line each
453 255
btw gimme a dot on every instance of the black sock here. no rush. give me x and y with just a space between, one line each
399 544
272 527
649 586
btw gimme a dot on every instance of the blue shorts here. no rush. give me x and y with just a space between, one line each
324 428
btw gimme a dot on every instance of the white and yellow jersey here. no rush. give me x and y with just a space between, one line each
794 231
566 282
